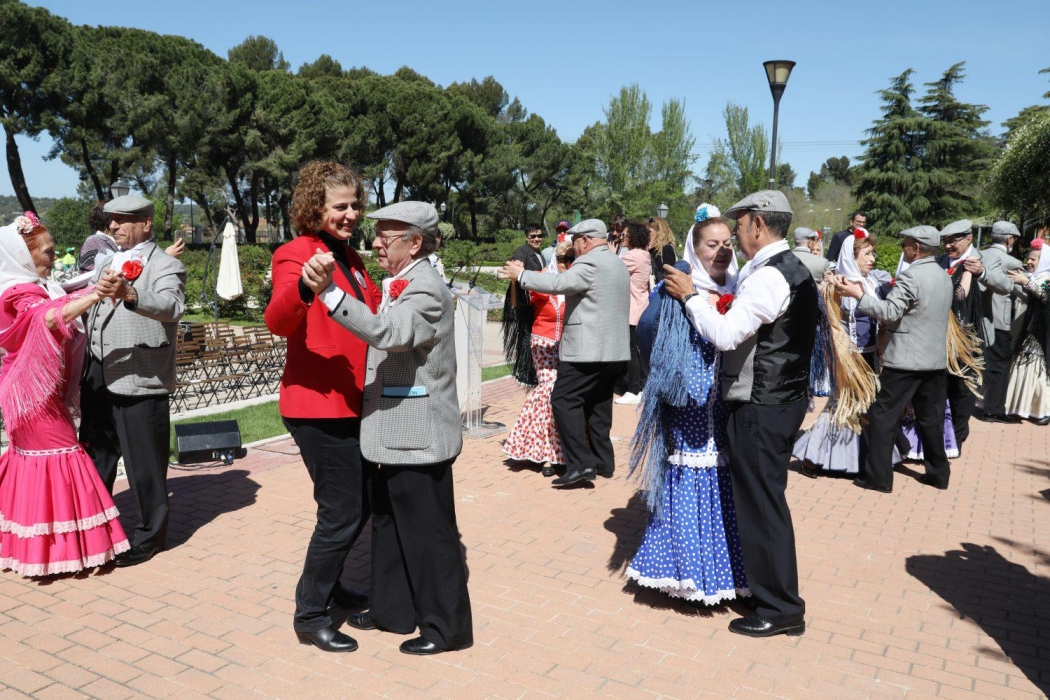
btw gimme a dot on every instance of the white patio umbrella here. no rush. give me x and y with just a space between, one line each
228 285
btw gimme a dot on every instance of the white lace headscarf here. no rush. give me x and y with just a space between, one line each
17 266
701 279
847 267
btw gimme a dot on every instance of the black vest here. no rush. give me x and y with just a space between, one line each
772 367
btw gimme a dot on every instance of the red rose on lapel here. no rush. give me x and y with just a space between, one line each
396 287
131 270
724 303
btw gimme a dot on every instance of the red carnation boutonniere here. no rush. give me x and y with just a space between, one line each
951 270
131 270
396 287
724 303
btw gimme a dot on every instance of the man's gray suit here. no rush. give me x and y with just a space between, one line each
998 302
411 433
129 374
915 315
594 346
816 265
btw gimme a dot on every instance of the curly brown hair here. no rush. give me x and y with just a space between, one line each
316 178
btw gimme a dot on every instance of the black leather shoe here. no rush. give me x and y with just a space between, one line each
930 481
808 470
135 555
872 487
422 647
327 639
998 418
754 625
1042 421
548 470
362 621
349 598
574 476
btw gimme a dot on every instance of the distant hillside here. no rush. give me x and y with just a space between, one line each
9 207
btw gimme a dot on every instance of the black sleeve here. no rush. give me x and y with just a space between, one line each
305 293
669 256
836 245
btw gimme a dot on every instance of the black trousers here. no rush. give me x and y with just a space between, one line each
963 403
760 441
926 391
582 405
136 428
638 367
997 373
331 450
419 574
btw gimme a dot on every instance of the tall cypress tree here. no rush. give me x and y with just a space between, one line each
957 149
890 182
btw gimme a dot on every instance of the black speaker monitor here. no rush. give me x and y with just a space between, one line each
207 442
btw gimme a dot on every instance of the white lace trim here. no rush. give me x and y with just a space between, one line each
698 460
686 590
916 456
48 453
64 567
57 528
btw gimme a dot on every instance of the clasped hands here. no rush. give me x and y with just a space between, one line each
318 270
111 285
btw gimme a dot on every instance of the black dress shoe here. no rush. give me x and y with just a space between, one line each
930 481
419 646
809 470
998 418
574 476
754 625
1042 421
327 639
362 621
135 555
872 487
548 470
348 597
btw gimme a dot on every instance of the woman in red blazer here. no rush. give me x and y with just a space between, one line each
321 389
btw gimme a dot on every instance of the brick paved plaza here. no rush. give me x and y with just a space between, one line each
918 594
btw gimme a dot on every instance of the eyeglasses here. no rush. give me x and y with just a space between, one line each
955 239
538 237
387 237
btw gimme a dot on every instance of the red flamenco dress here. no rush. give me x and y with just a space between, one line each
56 516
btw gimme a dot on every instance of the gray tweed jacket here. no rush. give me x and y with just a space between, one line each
597 291
915 313
411 412
999 294
816 265
137 345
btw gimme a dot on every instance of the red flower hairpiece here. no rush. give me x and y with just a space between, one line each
131 270
724 303
860 234
396 287
1037 244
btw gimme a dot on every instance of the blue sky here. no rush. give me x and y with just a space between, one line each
564 59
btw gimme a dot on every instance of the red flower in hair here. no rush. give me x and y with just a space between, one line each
131 270
396 287
860 234
724 303
1037 244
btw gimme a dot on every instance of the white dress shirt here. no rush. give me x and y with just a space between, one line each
331 296
762 296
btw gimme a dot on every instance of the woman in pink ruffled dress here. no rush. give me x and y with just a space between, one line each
55 514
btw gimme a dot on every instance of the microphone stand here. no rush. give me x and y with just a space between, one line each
211 272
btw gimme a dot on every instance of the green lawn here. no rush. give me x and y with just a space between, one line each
494 372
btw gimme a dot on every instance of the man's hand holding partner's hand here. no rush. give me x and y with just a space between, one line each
111 285
848 289
317 271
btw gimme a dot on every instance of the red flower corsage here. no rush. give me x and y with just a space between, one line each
131 270
396 287
724 303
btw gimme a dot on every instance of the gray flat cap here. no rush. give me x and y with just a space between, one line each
805 234
927 235
130 205
1005 228
419 214
957 227
761 201
591 228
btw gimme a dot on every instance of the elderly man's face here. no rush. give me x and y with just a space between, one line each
957 245
128 231
393 252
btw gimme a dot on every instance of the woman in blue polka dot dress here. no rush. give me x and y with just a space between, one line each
690 549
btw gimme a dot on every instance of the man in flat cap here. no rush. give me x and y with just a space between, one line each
1002 307
972 276
766 338
594 347
914 362
411 433
807 249
130 368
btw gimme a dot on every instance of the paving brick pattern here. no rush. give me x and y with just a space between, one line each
918 594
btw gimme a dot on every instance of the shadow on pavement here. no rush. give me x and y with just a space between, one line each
1010 603
628 524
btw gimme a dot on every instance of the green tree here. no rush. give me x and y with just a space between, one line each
324 66
259 53
1019 182
833 170
737 164
67 219
34 49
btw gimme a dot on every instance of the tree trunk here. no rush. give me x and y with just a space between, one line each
474 221
398 189
253 196
90 170
114 174
209 216
172 172
238 199
286 218
14 168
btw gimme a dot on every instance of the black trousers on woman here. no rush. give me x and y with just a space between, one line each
419 573
638 367
331 450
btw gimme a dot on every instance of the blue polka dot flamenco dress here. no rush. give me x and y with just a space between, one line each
691 549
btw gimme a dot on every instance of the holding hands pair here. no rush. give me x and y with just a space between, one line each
317 271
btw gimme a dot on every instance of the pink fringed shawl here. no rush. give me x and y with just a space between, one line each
40 363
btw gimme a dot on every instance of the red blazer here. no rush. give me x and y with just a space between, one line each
324 370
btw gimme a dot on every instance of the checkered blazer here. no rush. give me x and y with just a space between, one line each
137 346
410 412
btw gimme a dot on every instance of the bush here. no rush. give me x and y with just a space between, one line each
887 253
509 235
67 219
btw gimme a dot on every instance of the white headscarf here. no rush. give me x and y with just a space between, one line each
17 266
848 268
701 279
1043 268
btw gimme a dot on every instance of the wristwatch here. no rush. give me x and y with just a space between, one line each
687 297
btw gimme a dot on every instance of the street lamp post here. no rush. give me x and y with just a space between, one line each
661 210
777 72
119 188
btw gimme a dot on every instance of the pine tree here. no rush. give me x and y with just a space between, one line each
889 182
957 150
